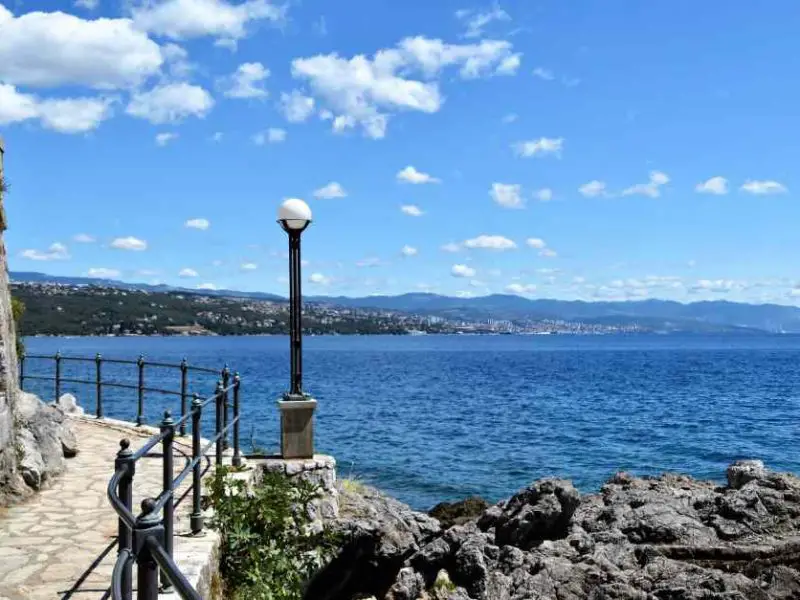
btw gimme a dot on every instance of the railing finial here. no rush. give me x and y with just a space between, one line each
124 446
148 506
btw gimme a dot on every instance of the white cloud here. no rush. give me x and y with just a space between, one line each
451 247
510 118
201 224
296 107
521 288
162 139
319 279
475 21
49 49
187 273
411 175
249 267
508 195
184 19
543 195
541 147
543 73
548 253
207 286
490 242
332 190
715 185
537 243
170 103
103 273
761 188
248 81
84 238
363 91
651 189
56 251
65 115
593 189
129 243
273 135
411 210
409 251
369 262
717 286
462 271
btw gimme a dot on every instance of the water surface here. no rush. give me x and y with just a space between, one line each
431 418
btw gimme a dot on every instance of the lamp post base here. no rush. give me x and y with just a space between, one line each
297 426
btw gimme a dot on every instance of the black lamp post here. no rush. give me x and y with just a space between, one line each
294 216
297 409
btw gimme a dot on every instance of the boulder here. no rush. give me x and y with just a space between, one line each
648 538
69 404
456 513
45 437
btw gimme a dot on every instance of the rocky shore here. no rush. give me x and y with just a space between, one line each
670 537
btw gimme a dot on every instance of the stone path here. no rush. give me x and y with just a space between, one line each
61 543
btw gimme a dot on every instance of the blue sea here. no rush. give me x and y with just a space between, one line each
432 418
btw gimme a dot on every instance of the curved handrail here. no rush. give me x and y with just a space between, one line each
124 558
116 503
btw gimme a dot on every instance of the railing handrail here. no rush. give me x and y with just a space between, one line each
146 538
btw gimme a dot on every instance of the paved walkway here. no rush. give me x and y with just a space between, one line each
61 543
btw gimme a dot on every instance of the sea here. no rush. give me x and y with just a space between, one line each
432 418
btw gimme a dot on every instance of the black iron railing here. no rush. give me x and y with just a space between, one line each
147 538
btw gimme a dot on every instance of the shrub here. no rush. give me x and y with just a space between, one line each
17 310
270 549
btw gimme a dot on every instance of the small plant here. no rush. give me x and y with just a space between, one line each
17 310
270 548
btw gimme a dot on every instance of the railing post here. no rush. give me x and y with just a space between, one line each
148 527
226 377
58 376
184 389
196 518
219 398
140 409
98 363
125 492
237 457
22 370
168 426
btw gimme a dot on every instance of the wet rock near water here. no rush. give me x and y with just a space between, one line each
457 513
651 538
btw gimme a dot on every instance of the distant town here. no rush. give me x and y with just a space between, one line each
88 309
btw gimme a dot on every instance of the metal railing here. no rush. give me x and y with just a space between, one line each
148 538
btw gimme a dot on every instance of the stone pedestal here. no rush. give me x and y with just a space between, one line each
297 427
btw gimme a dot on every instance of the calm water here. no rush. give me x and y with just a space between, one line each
431 418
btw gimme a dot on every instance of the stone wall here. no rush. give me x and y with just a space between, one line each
10 480
320 470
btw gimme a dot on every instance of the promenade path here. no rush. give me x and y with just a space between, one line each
61 543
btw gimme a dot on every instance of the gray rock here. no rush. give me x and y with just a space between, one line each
69 404
45 437
668 537
744 471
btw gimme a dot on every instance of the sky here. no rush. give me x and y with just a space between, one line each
586 150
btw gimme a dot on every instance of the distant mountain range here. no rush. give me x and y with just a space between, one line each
661 315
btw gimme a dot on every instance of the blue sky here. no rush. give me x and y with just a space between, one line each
583 149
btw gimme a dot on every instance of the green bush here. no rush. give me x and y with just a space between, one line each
270 550
17 310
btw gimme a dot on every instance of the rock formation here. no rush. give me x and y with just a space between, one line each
34 438
667 537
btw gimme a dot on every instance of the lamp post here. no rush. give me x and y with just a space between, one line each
297 408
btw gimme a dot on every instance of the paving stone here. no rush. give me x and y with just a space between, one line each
50 541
